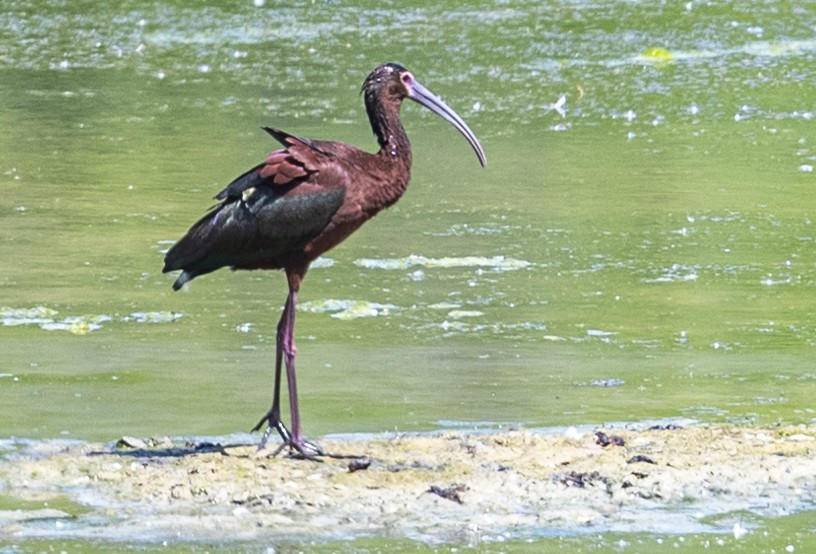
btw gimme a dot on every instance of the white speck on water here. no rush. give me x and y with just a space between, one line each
677 273
608 383
806 168
444 306
417 275
559 106
756 31
770 280
322 262
459 314
739 531
204 68
598 333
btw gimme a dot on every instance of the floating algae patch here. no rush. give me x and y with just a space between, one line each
47 319
153 317
347 309
37 315
445 487
496 263
459 314
657 54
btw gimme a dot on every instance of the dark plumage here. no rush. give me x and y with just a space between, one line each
303 200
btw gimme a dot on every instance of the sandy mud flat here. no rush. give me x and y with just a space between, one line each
446 487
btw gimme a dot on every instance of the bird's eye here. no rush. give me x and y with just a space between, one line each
407 78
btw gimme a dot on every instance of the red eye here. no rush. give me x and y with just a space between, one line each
407 78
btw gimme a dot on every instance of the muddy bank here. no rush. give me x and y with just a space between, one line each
456 487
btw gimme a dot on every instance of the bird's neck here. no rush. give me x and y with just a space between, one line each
393 141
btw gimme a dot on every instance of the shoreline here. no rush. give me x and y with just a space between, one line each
451 486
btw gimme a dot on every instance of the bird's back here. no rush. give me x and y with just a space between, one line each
265 217
302 201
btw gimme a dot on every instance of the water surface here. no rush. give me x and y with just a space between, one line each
644 220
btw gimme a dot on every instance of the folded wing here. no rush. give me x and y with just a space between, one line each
265 214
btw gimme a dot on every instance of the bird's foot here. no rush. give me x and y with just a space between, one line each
298 448
305 450
301 450
274 424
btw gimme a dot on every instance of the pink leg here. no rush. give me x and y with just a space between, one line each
290 351
287 350
273 416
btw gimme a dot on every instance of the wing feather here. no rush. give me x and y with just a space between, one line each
265 214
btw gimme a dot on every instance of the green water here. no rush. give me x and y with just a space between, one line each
657 232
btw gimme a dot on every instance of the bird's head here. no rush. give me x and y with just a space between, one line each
392 83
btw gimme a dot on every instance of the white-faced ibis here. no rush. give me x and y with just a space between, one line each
303 200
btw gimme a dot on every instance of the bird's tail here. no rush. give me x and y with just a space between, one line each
182 279
186 255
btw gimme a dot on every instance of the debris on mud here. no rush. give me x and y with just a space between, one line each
605 440
428 487
449 493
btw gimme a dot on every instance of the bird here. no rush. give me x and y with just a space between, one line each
302 200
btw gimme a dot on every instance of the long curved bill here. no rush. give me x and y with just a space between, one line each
421 95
